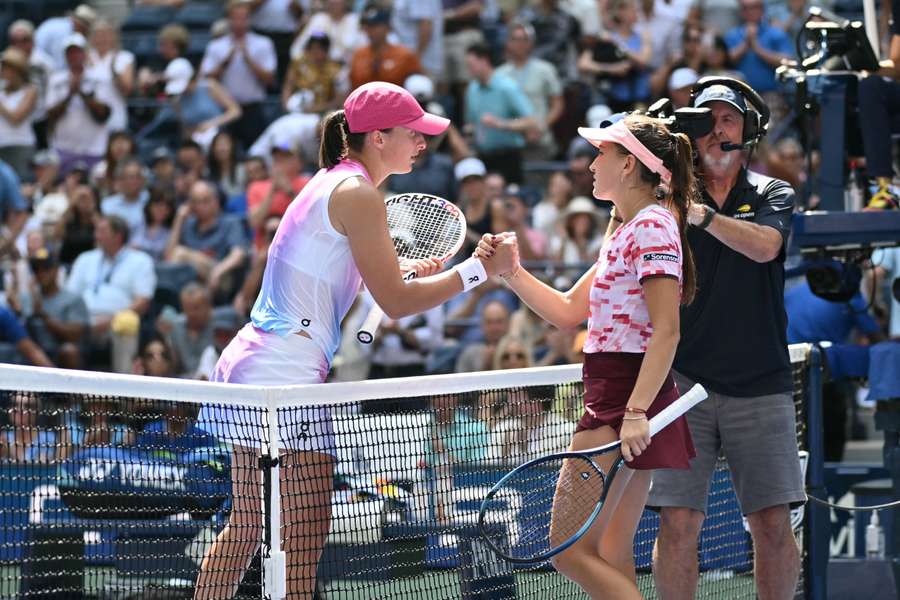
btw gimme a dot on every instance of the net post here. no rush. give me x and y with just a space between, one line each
274 564
818 523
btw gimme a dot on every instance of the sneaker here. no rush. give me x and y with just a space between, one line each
883 199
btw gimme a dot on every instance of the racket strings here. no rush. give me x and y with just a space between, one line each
423 230
551 502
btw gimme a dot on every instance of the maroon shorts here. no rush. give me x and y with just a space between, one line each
609 378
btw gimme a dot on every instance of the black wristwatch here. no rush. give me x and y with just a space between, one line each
707 218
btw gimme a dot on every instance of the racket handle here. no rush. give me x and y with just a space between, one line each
693 397
366 333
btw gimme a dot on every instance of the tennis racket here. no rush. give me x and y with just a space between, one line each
545 505
421 226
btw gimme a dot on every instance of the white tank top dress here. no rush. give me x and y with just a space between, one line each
309 284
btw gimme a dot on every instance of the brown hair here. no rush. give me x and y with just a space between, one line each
177 34
676 153
337 140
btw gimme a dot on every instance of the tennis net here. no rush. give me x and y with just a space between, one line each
115 486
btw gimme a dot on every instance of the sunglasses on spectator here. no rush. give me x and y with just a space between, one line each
509 355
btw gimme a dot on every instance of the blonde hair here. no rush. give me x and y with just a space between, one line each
505 342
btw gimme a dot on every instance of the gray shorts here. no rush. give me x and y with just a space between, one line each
758 438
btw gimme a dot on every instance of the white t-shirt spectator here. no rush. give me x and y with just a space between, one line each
297 130
50 36
101 70
111 285
405 18
276 16
76 131
345 36
889 260
11 134
39 70
238 78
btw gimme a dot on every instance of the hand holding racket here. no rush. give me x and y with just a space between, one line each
422 227
556 498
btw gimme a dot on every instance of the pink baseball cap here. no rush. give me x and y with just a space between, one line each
382 105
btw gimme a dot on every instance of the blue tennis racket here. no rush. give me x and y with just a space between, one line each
556 498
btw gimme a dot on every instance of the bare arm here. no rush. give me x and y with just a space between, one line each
123 81
140 305
25 107
556 109
99 110
223 99
425 29
561 309
357 210
662 297
757 242
33 353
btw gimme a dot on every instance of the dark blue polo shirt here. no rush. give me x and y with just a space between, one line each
733 335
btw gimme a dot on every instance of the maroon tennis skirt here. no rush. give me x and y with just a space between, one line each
609 378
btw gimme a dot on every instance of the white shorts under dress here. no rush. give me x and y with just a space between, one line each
258 357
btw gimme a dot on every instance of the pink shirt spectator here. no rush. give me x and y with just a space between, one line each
647 246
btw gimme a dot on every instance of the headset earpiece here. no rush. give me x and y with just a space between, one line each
756 117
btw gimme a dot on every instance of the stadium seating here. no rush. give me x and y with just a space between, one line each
199 15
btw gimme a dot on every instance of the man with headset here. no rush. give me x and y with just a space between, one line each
733 341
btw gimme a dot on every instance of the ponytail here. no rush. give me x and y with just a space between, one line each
677 155
684 191
333 146
337 140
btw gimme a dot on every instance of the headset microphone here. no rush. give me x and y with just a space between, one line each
729 147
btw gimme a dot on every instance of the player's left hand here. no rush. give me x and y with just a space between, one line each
635 436
423 267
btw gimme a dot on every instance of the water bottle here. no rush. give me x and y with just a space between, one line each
853 195
874 537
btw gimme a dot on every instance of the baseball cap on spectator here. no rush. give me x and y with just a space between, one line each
178 75
161 153
45 158
721 93
79 166
75 40
469 167
85 14
682 78
283 148
225 318
381 105
419 86
375 16
597 114
42 258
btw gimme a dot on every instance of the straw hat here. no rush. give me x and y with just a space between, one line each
15 58
580 205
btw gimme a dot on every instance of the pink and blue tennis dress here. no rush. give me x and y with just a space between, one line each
309 284
619 330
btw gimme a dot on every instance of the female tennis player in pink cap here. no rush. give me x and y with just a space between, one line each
630 298
333 236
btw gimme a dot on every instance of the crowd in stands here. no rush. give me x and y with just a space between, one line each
145 163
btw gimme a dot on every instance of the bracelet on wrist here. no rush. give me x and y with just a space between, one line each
636 410
638 418
511 274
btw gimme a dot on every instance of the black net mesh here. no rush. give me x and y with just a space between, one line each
109 497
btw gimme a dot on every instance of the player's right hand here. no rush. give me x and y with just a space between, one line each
504 255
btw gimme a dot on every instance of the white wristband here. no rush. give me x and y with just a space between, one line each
472 273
